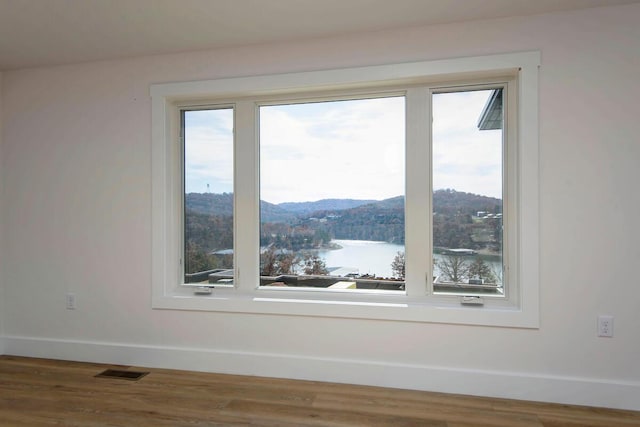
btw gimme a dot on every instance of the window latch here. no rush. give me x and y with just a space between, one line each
471 300
203 290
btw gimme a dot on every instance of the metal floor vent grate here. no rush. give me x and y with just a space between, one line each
121 374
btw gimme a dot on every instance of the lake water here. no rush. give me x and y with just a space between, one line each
370 257
367 256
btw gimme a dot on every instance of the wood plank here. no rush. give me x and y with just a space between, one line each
448 409
548 412
303 416
41 392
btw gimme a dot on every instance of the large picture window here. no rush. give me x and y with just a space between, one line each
322 194
332 193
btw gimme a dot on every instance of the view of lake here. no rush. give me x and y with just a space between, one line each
367 256
370 257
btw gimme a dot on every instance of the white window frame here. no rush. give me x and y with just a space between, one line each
520 308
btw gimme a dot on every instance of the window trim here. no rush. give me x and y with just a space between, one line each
523 311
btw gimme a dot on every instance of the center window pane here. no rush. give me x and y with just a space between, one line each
332 182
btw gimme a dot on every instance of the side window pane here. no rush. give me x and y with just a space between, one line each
208 195
332 180
468 192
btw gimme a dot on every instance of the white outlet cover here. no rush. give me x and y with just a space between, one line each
605 326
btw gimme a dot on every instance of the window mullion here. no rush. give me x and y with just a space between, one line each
418 200
246 214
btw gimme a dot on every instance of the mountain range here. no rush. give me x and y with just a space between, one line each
209 220
444 202
306 208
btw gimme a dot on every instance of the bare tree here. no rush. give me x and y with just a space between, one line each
497 272
268 261
273 262
398 265
313 264
454 268
481 270
288 263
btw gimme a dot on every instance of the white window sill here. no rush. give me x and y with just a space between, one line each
357 306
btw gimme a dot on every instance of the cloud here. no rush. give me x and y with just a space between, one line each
342 149
465 158
346 149
209 151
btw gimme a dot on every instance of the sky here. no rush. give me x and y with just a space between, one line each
346 149
465 158
208 153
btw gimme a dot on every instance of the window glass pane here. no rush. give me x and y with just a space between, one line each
467 192
332 194
208 196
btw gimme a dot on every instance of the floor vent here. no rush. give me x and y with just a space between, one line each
121 374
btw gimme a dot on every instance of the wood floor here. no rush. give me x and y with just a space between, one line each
39 392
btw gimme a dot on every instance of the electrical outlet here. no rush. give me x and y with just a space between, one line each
71 301
605 326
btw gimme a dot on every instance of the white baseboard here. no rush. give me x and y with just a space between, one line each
511 385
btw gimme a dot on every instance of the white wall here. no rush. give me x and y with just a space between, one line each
77 212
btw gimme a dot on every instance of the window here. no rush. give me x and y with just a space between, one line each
208 194
467 168
332 193
397 196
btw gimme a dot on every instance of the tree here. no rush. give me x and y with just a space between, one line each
481 270
268 261
196 259
453 268
398 265
313 264
497 234
274 262
288 263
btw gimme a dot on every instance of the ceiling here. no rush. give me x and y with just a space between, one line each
49 32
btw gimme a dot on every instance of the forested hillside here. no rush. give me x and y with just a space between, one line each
380 221
305 208
456 223
299 226
451 202
222 205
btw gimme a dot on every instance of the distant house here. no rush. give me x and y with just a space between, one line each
491 117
